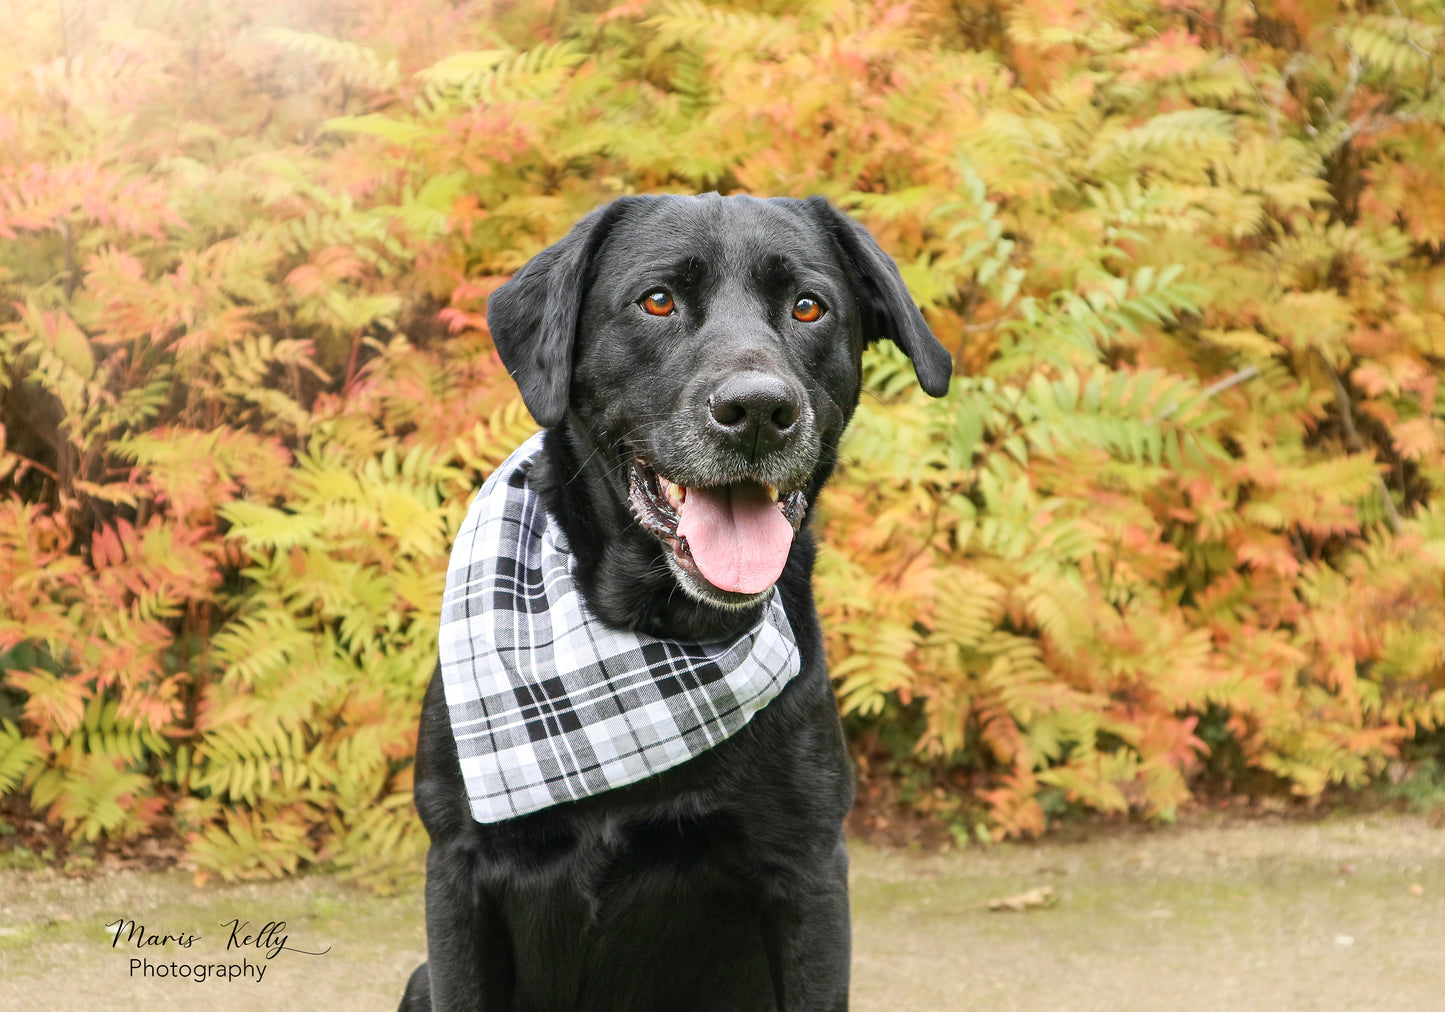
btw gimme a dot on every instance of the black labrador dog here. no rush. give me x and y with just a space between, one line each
694 361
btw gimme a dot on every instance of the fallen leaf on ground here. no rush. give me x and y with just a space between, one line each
1043 896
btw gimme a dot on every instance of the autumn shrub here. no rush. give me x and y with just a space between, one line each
1178 519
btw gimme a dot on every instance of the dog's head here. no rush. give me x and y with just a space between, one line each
708 350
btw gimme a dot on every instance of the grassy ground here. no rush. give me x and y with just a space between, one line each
1348 913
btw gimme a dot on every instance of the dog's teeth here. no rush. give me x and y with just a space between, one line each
676 495
773 493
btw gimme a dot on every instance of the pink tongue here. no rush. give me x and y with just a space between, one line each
737 535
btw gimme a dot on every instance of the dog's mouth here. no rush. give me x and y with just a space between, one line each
735 537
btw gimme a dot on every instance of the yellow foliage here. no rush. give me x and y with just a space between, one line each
1177 518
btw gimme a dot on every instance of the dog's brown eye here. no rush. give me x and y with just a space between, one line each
807 309
658 303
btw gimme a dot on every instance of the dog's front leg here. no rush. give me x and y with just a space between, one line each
469 957
809 940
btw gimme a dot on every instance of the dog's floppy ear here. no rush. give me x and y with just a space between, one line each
888 310
533 317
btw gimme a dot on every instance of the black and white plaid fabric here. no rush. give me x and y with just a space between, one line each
548 704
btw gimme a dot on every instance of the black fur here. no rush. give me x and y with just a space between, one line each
722 883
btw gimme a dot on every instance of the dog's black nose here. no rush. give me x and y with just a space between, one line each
755 411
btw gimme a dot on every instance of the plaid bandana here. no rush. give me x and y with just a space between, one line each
549 705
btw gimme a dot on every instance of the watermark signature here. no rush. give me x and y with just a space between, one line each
240 936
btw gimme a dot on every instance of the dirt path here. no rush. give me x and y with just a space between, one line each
1343 914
